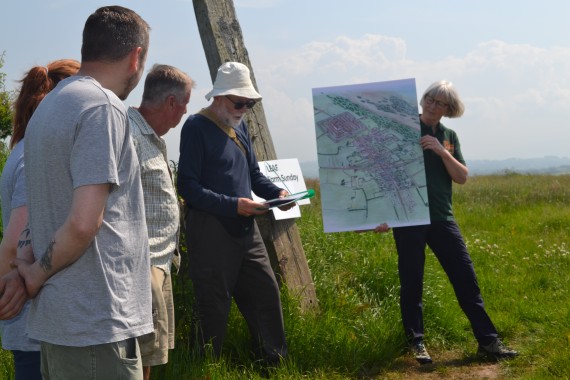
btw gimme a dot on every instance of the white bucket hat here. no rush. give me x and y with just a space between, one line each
233 79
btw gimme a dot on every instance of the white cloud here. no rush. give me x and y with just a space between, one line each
341 56
509 90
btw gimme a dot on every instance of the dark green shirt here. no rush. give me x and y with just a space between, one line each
437 178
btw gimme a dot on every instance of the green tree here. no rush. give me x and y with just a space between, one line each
5 121
5 105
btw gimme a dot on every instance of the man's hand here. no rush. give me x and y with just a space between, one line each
286 207
247 207
34 277
12 295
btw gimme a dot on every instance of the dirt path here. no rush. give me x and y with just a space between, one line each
446 367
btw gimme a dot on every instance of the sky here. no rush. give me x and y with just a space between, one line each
508 59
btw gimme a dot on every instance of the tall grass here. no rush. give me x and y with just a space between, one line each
517 230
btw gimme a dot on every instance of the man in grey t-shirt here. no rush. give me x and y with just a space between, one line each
90 279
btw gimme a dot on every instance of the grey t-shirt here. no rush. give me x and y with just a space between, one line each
13 193
78 136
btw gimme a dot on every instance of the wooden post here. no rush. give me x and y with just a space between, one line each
223 42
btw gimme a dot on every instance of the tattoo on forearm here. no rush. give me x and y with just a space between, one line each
45 261
25 237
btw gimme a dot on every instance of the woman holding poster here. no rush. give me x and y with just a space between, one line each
444 164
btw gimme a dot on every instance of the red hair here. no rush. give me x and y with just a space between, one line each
36 84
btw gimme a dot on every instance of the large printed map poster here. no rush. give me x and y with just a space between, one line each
371 166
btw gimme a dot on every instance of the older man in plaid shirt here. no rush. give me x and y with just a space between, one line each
166 95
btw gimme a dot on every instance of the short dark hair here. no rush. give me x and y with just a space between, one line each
111 33
163 81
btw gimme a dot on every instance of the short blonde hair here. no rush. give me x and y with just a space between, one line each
445 89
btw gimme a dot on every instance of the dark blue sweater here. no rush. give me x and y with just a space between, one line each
213 172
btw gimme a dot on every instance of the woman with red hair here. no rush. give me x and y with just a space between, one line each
36 84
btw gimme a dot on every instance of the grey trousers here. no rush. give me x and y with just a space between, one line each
223 267
117 360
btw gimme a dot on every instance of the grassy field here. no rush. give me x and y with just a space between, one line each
517 228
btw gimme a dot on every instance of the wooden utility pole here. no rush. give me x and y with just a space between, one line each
223 42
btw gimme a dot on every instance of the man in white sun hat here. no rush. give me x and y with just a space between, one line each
227 258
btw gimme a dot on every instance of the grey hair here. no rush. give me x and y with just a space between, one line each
163 81
445 90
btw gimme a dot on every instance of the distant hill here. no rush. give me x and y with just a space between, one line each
543 165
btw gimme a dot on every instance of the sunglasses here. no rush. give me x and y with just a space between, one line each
239 105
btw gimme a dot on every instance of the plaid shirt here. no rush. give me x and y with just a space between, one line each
161 202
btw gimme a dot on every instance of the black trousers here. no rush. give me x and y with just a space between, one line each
223 267
445 240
